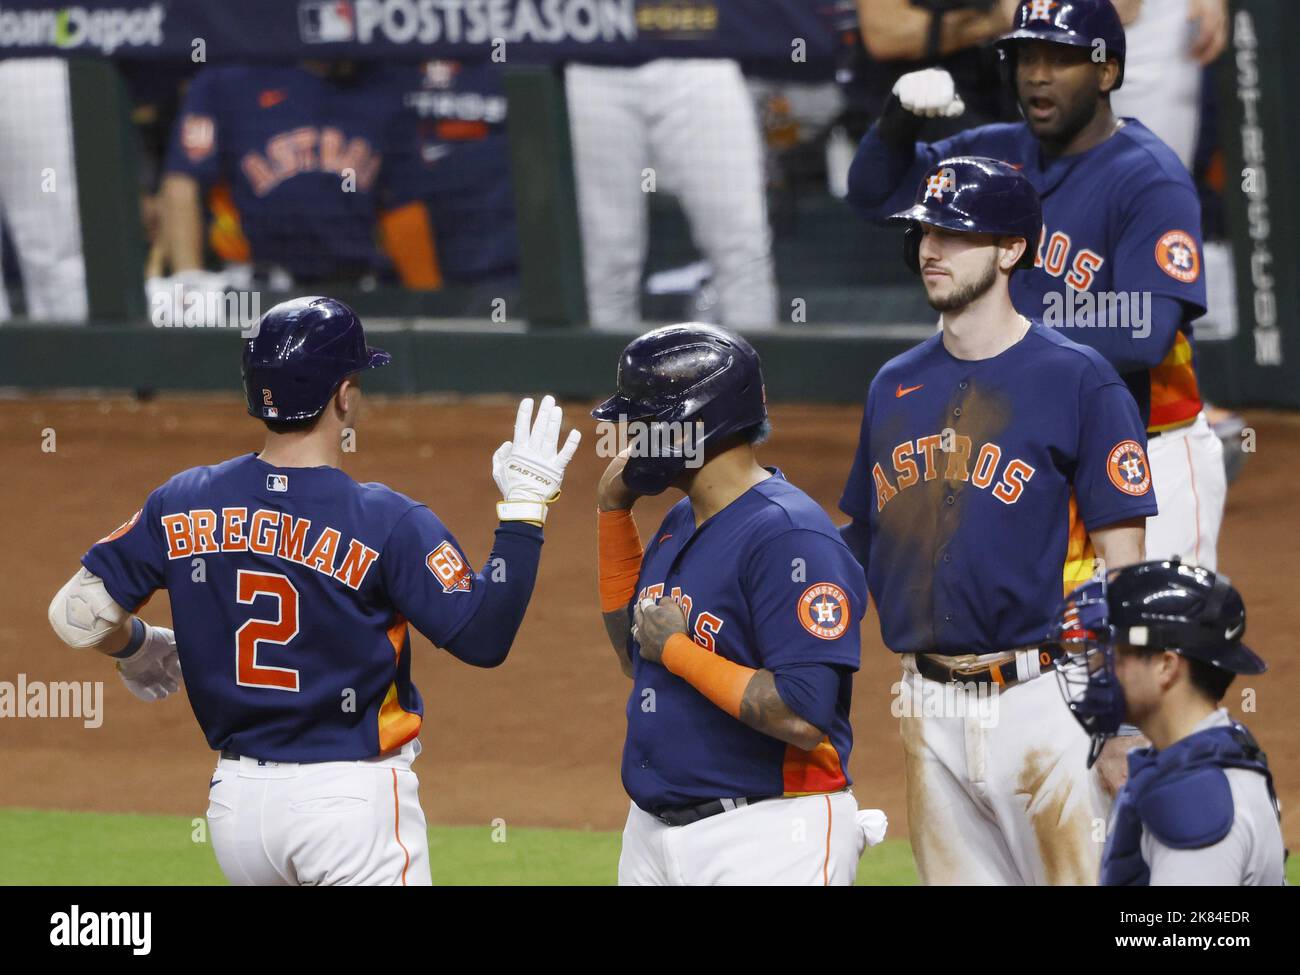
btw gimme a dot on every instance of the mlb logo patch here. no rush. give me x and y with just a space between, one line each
270 412
277 482
326 22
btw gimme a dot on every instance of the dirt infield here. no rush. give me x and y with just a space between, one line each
536 741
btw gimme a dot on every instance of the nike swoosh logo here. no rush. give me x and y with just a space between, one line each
1235 632
271 98
901 391
665 538
213 782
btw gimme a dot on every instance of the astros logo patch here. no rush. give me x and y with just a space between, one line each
1178 257
938 184
1128 469
449 568
1041 9
824 610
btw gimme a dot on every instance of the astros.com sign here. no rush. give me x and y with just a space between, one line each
70 28
466 21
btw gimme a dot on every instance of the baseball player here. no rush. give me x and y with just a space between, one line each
738 626
1158 644
292 158
1118 262
38 189
293 589
996 460
689 124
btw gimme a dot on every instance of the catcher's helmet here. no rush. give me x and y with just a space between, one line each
1078 23
975 195
688 373
1164 605
298 354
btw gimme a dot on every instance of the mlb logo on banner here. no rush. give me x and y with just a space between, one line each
277 482
326 21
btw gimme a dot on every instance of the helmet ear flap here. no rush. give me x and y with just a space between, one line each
912 248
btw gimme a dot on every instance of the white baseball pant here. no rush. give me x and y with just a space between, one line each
38 188
998 790
321 823
1191 488
689 126
802 841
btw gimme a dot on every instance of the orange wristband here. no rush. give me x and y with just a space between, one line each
721 680
619 549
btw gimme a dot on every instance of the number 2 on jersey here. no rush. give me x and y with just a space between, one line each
248 673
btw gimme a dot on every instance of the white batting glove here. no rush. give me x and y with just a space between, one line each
930 94
153 671
529 470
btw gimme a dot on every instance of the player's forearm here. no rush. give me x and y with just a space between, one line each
618 629
509 577
182 222
899 31
880 177
84 616
748 695
1121 544
619 554
1130 343
763 710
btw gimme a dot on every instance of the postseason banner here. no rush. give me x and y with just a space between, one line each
618 31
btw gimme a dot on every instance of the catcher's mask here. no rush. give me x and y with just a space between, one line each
1086 671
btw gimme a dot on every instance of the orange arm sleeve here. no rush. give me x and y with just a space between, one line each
408 239
619 549
721 680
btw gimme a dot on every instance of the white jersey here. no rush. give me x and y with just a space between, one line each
1249 856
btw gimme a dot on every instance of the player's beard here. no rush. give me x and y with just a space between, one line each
967 293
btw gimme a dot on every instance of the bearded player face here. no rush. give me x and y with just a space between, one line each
957 268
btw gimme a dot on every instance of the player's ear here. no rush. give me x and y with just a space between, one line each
1108 76
1010 250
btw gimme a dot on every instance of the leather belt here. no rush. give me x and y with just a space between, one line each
685 815
1004 672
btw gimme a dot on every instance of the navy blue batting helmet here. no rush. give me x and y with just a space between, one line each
1078 23
298 354
1160 605
972 194
684 374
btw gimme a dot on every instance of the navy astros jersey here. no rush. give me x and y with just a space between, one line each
282 140
1121 223
768 583
460 167
979 481
291 589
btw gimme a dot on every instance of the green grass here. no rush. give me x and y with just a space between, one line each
47 847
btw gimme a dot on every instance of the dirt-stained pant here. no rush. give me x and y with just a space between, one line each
320 824
804 841
998 792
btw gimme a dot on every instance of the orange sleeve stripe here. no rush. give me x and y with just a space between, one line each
407 235
619 551
721 680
